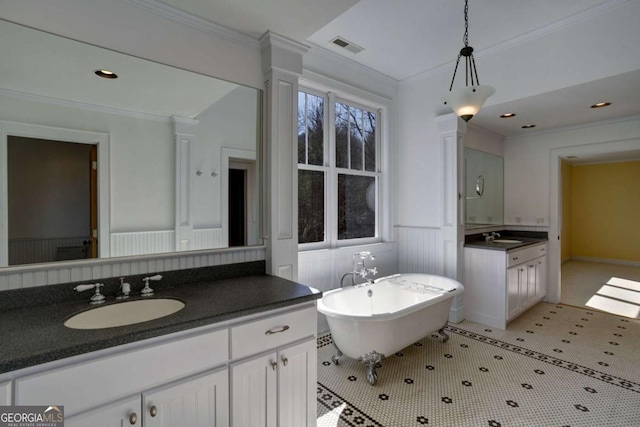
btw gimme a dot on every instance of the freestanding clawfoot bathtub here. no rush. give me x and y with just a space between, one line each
371 321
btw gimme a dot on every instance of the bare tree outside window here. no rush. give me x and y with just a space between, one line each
353 176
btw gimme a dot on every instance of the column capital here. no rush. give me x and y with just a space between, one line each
281 53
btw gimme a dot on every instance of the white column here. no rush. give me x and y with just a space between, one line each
281 65
185 141
452 129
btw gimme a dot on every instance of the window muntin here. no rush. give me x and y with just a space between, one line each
349 178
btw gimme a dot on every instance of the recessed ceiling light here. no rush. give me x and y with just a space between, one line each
528 126
601 104
508 115
106 74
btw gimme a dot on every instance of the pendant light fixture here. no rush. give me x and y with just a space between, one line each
466 101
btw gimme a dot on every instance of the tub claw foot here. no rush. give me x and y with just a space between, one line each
370 360
445 336
336 357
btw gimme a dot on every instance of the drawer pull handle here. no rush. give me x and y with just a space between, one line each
285 361
133 418
274 365
277 330
153 411
515 258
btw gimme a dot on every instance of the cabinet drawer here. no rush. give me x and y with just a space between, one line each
271 332
88 384
526 254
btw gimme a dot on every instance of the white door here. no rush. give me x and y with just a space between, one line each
122 413
297 385
198 401
253 392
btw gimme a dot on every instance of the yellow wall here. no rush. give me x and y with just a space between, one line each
565 238
605 211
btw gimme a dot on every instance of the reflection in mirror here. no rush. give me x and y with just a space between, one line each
484 189
156 160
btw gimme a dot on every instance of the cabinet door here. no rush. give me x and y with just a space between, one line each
514 281
122 413
532 280
541 277
297 385
202 400
5 393
254 392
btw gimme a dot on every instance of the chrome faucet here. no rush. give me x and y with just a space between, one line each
97 297
490 237
147 291
359 268
125 289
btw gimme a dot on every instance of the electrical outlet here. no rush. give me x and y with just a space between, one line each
539 220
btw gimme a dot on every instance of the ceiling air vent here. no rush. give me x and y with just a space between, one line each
345 44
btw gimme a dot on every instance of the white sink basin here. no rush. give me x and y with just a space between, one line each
506 241
124 313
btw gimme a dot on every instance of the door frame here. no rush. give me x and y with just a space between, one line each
28 130
246 158
554 279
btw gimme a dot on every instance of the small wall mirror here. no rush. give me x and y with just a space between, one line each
484 189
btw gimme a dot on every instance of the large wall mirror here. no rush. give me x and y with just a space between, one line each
484 189
156 160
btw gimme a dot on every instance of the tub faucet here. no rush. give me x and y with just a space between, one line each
360 269
490 237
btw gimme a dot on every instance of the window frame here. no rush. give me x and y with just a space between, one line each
331 171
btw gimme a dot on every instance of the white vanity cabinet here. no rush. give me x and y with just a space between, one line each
259 370
275 388
500 286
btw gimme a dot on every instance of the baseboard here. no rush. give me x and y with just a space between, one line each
606 261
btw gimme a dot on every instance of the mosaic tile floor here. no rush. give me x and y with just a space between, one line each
555 365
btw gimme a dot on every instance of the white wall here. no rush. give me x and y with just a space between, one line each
232 122
528 164
142 159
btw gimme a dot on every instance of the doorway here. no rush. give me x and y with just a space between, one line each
52 200
597 152
237 207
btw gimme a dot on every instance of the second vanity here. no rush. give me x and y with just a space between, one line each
242 349
505 277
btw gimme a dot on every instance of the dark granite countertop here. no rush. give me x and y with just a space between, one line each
526 238
35 335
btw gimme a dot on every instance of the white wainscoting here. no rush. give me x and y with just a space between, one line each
33 250
163 241
74 271
420 250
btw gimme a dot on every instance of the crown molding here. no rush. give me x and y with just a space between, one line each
574 127
196 22
273 39
558 25
82 105
339 59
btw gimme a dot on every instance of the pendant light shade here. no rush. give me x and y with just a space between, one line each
466 101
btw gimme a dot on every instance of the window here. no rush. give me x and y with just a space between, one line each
338 171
